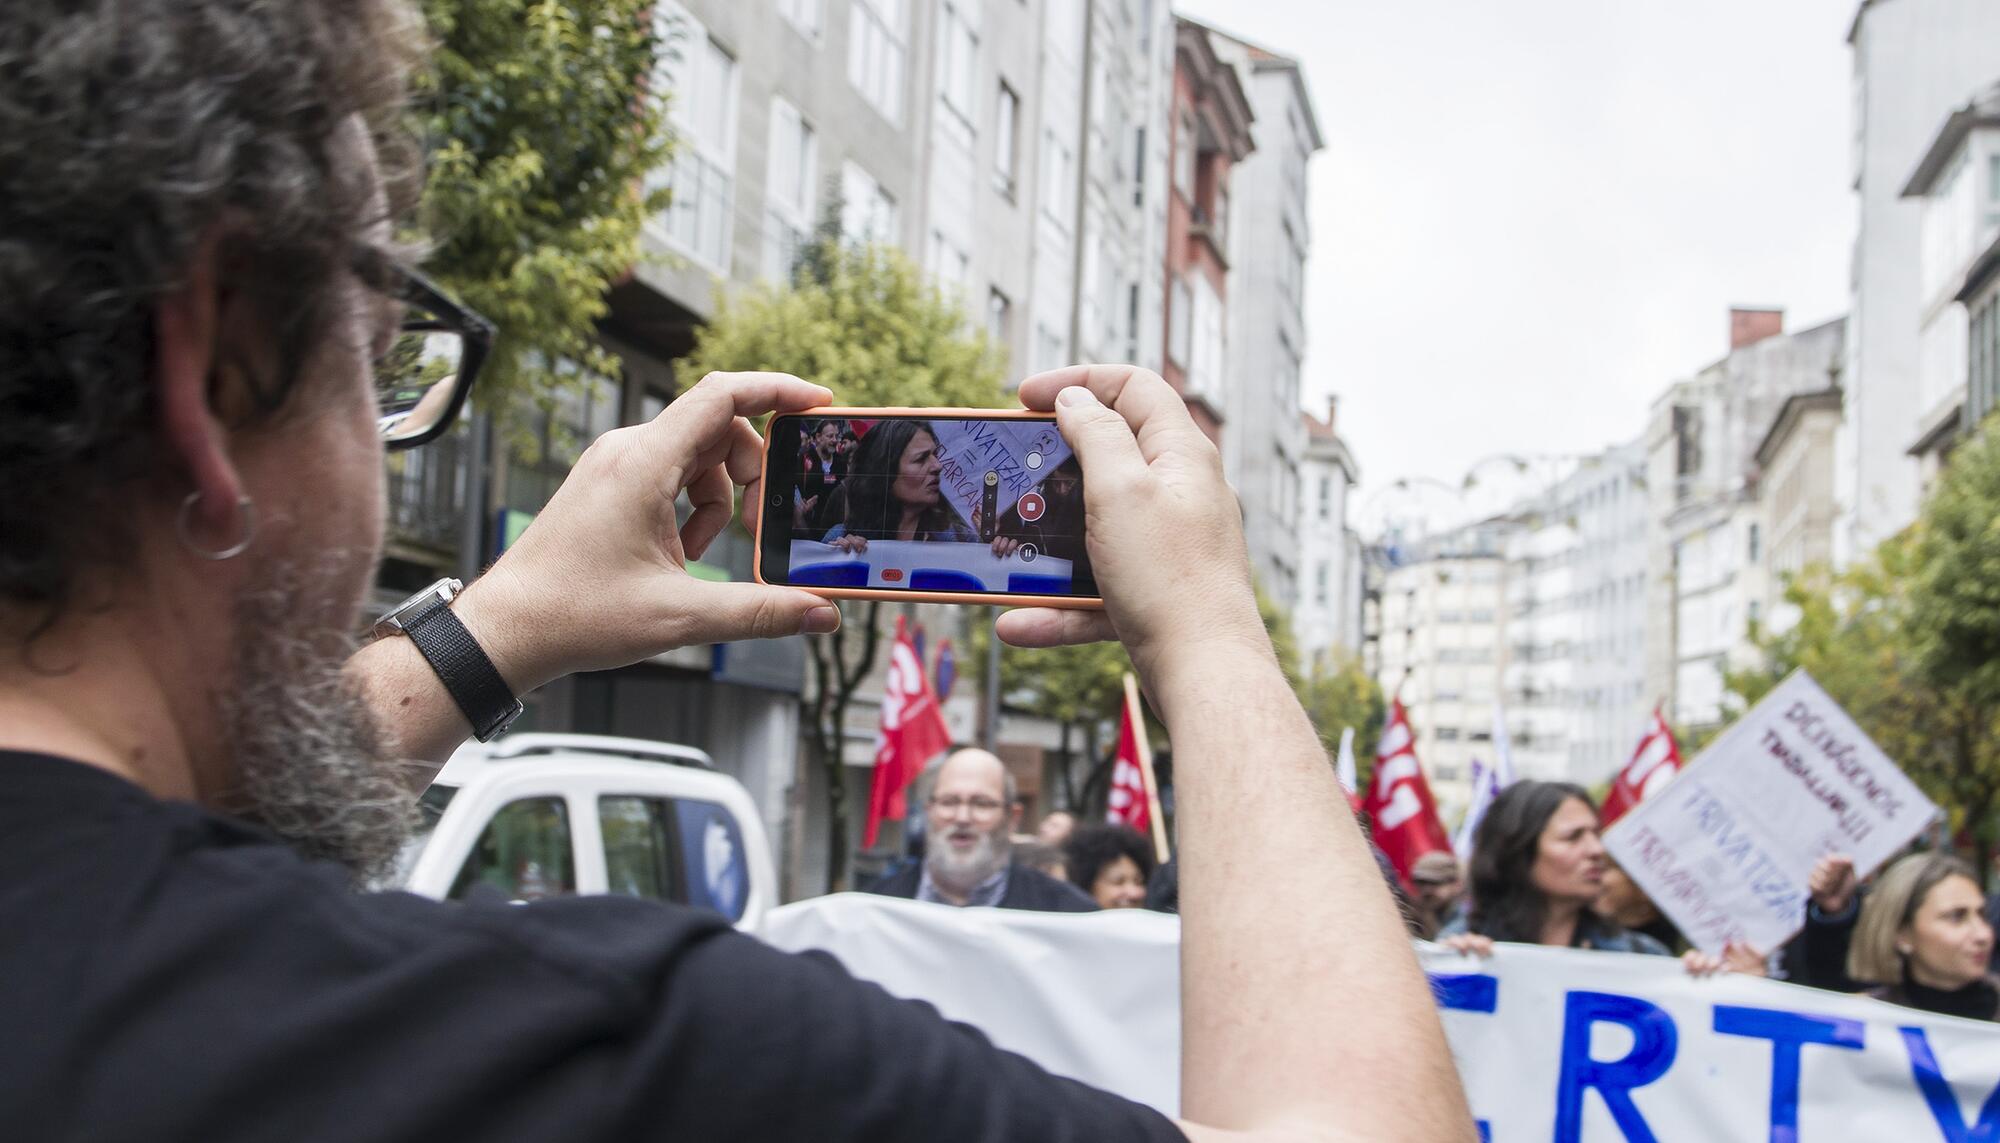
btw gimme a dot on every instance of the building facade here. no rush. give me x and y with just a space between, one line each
1957 186
1705 526
1328 617
1575 685
1795 487
1915 62
1441 647
1209 132
1268 242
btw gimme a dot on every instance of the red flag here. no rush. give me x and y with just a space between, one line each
1134 800
913 732
1399 799
1654 763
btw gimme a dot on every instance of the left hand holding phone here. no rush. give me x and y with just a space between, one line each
600 579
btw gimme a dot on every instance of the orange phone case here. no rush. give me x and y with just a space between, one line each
984 598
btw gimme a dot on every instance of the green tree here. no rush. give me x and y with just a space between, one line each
1079 688
1860 634
1284 644
1954 626
1340 694
863 322
540 134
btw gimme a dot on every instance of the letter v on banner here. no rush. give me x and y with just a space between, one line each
1406 824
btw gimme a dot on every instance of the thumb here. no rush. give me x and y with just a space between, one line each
1103 441
726 612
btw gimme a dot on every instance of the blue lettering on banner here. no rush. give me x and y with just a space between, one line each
1469 992
1787 1031
1943 1104
1654 1040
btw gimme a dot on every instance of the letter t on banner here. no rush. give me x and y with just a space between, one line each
1788 1031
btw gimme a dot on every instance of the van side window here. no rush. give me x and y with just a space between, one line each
712 854
638 848
525 853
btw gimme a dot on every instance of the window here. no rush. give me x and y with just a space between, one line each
1447 734
1218 226
999 318
950 266
1205 368
867 211
713 859
1184 146
1326 497
788 209
805 15
1006 139
958 64
1180 324
1058 181
1048 349
701 78
525 853
1321 575
638 853
1756 543
1139 167
875 54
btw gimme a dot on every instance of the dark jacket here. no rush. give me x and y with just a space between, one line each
1027 888
1817 957
1979 1000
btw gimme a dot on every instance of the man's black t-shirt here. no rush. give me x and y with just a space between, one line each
167 974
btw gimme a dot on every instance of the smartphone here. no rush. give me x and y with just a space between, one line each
931 505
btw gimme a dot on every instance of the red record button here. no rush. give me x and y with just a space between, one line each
892 575
1032 507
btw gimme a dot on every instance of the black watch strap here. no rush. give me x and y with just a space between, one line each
474 682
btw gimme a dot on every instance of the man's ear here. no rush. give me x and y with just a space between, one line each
187 326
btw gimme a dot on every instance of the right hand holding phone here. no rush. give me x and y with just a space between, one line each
1163 527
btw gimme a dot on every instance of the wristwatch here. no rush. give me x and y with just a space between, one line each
474 682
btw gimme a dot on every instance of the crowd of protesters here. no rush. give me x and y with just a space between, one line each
1918 935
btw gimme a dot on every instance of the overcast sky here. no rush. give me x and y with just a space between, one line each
1531 217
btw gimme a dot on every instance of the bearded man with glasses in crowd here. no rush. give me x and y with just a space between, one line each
969 821
206 341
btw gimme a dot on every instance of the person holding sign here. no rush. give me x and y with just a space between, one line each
1538 869
1923 941
891 492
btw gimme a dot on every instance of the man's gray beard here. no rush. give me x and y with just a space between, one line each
963 876
307 752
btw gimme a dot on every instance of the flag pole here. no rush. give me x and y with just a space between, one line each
1138 715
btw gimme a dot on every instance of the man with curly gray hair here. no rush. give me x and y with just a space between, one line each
207 339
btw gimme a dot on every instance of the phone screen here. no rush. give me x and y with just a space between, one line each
945 502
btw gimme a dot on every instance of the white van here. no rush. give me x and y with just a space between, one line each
530 816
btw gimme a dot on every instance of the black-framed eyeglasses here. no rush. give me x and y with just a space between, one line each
422 381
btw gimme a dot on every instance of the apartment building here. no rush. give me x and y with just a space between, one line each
1916 62
1328 617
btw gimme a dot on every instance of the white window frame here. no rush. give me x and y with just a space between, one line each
808 16
706 153
1058 177
958 63
1180 323
790 177
878 53
1006 138
868 212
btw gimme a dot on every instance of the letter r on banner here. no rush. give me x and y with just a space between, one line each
1787 1031
1654 1040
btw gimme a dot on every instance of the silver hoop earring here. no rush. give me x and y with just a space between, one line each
244 509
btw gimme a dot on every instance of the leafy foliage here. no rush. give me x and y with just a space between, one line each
1340 693
541 135
863 322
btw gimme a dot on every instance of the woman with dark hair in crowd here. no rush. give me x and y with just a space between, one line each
1537 870
1922 940
891 491
1111 863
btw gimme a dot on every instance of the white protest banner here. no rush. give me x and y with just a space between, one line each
1020 454
1552 1044
1726 849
